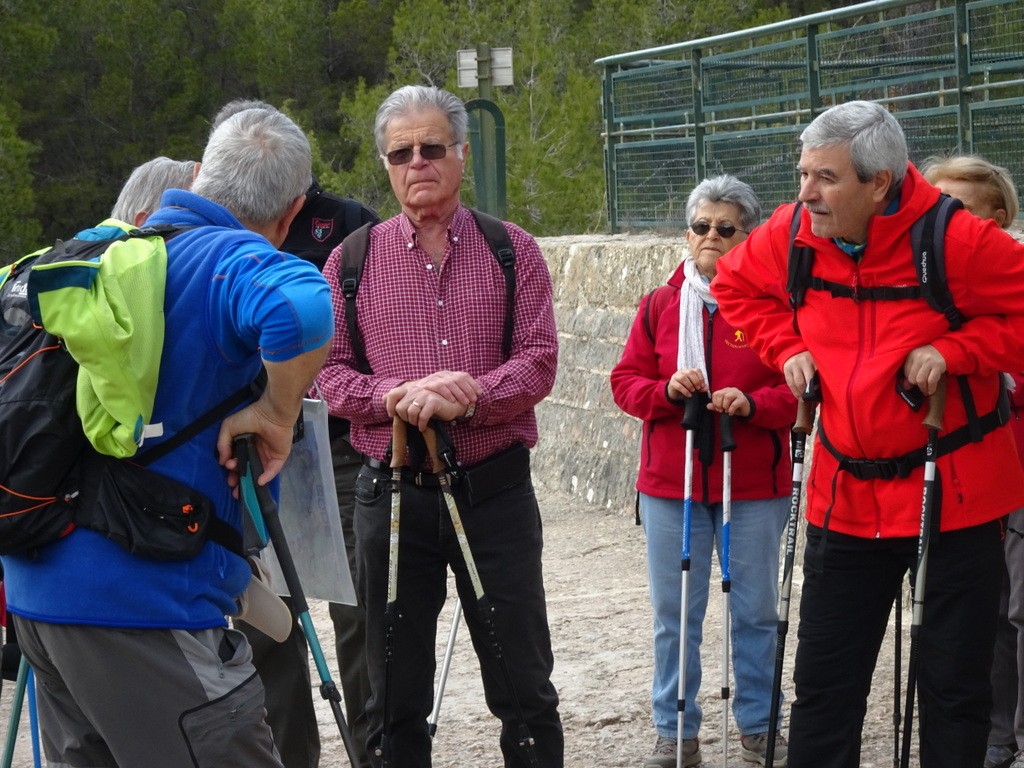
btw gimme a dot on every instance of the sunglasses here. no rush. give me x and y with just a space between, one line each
725 231
427 152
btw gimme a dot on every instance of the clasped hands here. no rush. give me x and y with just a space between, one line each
445 395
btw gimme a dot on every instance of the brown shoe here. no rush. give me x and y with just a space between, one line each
664 754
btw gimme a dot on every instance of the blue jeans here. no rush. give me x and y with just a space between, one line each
755 533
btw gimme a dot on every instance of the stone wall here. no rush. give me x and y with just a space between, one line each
588 447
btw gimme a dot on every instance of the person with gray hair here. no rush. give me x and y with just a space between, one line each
135 660
140 195
324 221
678 349
432 306
863 334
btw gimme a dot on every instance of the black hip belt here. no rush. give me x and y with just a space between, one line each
480 481
902 466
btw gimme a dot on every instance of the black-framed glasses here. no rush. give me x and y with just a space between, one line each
725 231
427 152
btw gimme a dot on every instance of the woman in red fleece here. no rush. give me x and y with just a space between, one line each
661 368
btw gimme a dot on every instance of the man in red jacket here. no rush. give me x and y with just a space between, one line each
870 349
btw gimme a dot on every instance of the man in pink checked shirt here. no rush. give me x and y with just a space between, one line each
431 310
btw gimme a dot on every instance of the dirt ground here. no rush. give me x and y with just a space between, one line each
600 618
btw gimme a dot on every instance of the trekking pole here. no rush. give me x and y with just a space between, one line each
728 446
441 468
398 445
261 505
20 685
692 414
897 677
445 666
933 421
33 717
801 429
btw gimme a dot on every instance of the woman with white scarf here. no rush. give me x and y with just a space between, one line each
680 347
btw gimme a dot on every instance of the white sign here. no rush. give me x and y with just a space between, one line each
501 67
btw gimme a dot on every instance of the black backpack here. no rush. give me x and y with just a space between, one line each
927 243
928 239
46 461
353 257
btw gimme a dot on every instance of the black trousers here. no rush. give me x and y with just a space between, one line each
504 533
849 587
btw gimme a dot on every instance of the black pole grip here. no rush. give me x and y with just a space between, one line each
693 411
728 441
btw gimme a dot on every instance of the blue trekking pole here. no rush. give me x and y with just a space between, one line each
728 446
801 429
691 422
262 508
33 718
23 685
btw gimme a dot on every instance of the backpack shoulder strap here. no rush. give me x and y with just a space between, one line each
217 413
500 243
653 307
928 241
350 272
799 263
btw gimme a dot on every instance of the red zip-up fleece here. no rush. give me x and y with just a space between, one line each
761 462
860 346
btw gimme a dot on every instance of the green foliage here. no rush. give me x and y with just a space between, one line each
19 233
99 86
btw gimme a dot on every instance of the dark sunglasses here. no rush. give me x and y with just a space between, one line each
427 152
724 231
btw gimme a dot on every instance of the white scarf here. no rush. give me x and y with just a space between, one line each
694 294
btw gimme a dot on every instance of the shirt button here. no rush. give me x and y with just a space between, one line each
444 342
430 267
440 303
409 246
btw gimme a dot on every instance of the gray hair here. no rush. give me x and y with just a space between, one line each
235 106
146 184
875 139
255 164
726 189
416 98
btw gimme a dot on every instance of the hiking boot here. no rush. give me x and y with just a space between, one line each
755 747
664 754
1018 759
999 755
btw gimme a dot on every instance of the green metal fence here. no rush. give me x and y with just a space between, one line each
953 75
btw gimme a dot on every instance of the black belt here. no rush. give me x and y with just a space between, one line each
902 466
428 479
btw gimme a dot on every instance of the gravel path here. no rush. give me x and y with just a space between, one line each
600 619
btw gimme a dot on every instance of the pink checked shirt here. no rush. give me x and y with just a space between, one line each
417 319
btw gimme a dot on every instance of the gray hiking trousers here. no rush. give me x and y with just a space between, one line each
128 698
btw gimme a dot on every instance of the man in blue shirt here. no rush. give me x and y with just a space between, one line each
134 661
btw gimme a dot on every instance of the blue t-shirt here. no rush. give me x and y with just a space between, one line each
231 301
